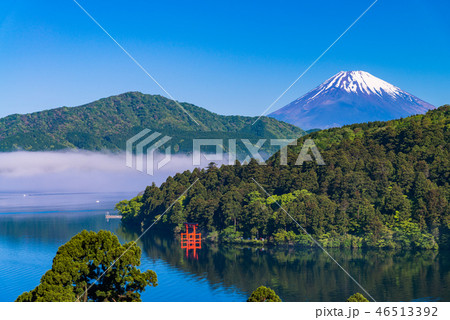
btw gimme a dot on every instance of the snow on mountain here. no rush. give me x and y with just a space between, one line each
350 97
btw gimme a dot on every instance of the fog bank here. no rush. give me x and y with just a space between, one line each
80 171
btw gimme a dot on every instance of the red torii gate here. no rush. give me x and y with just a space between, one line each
191 240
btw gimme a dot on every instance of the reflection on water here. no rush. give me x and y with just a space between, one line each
31 234
31 230
191 240
310 275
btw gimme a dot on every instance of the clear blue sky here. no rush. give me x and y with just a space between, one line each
231 57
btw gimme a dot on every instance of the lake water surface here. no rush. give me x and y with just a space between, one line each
33 226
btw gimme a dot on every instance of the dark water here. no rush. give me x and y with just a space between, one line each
33 227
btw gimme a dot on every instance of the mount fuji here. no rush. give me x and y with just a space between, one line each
350 97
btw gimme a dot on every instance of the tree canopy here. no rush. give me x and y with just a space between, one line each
357 297
89 256
263 294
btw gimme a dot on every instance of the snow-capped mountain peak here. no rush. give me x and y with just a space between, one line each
350 97
361 81
358 82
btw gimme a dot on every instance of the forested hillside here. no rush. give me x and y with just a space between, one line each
106 124
385 184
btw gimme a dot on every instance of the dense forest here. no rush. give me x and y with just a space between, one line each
107 123
384 184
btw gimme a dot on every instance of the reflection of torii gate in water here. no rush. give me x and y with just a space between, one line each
191 239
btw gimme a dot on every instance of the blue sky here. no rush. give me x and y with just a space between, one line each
231 57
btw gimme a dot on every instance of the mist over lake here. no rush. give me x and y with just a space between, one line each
81 171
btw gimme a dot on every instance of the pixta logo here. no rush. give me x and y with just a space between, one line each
253 150
146 149
146 144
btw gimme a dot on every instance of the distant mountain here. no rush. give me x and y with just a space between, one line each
350 97
106 124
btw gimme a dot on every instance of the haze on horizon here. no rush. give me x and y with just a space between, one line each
82 171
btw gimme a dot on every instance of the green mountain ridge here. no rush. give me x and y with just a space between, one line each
384 185
107 123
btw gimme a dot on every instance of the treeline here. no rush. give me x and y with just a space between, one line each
384 184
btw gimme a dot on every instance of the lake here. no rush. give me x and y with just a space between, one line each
33 226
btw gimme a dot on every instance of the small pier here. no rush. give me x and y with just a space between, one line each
112 216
